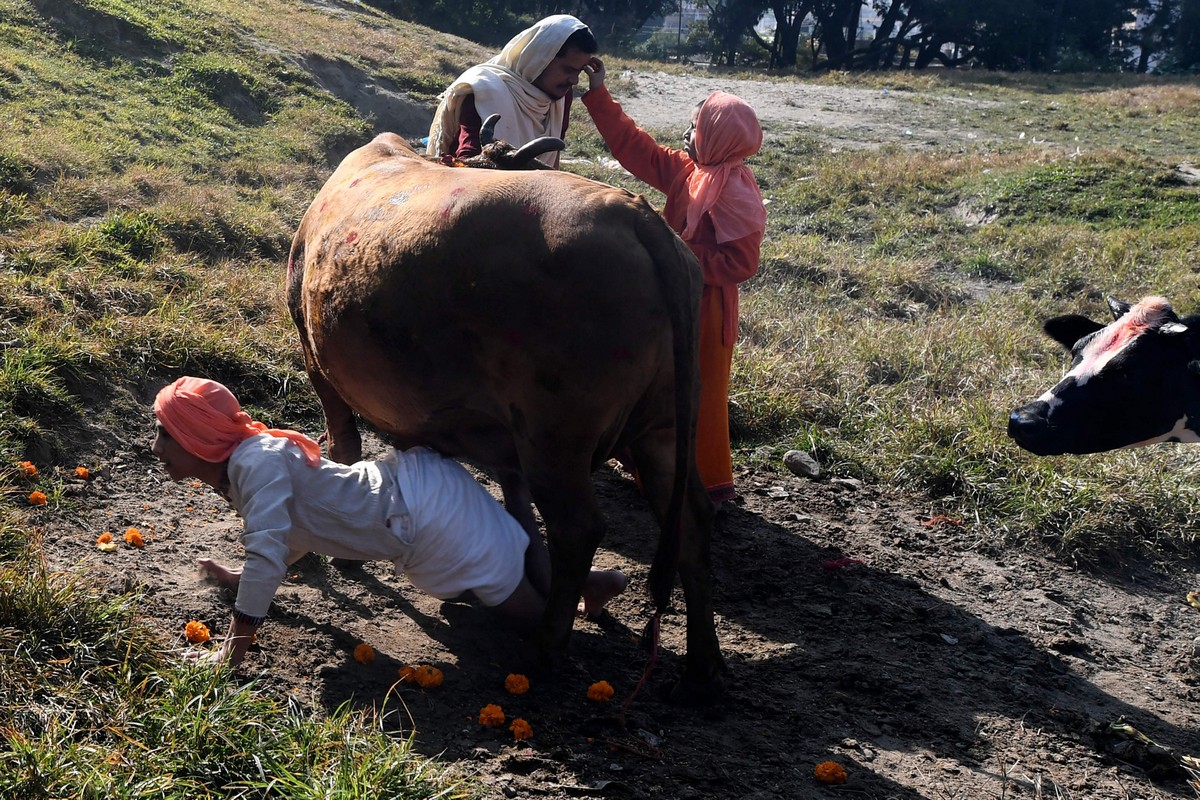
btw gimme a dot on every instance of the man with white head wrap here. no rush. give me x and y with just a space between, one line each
529 84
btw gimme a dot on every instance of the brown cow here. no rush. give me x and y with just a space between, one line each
531 323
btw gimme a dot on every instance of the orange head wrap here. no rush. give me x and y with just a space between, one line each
207 421
722 186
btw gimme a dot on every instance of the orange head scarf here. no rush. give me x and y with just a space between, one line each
722 186
207 421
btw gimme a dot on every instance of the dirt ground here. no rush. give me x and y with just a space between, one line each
856 628
845 117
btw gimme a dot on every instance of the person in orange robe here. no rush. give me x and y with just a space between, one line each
714 204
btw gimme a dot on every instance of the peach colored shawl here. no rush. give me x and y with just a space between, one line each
727 131
207 421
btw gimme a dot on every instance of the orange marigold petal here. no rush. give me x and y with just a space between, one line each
830 772
429 677
516 684
82 472
521 729
37 498
600 691
27 469
491 715
364 653
196 632
408 674
134 537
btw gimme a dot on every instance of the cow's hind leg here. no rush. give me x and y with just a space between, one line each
341 431
655 458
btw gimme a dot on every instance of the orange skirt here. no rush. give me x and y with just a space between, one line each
713 456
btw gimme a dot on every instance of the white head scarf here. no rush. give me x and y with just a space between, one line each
504 85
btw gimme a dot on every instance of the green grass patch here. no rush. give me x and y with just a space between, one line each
91 709
1102 191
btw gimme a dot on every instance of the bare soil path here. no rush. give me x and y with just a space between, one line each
844 116
856 629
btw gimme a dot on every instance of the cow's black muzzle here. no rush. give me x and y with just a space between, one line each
1029 426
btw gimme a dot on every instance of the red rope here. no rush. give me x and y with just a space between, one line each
634 743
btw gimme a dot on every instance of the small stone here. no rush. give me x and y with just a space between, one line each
802 464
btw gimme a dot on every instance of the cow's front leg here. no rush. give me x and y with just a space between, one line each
519 502
574 529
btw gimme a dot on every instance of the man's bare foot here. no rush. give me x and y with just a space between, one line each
601 586
228 577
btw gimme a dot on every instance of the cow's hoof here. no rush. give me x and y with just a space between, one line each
689 693
536 662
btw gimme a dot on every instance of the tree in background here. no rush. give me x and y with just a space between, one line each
615 23
731 25
1037 35
494 22
1185 55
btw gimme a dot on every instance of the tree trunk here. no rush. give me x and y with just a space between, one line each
789 21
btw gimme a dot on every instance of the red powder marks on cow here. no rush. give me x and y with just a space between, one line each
355 182
458 191
353 235
1149 313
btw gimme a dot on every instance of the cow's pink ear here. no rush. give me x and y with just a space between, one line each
1173 329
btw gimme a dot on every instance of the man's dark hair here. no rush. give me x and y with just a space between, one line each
581 39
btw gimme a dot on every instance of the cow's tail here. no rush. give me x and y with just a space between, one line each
680 280
294 282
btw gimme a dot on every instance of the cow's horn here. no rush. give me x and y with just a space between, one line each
487 131
544 144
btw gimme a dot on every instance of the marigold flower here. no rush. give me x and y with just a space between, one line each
134 537
521 729
364 653
196 632
600 691
830 772
104 538
428 677
408 674
491 715
82 472
516 684
37 498
27 469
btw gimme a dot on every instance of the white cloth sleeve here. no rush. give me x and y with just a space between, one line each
262 490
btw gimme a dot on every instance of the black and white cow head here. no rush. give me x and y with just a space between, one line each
1133 382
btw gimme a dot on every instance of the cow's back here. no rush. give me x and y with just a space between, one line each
451 307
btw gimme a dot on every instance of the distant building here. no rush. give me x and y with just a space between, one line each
868 23
690 13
